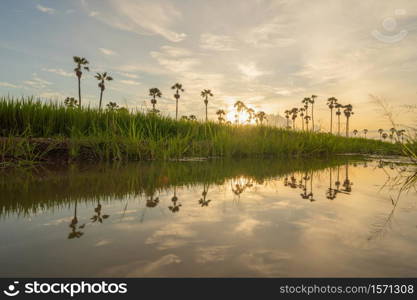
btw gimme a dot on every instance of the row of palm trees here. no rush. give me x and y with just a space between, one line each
384 135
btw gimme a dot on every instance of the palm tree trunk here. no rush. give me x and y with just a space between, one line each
101 98
338 125
79 91
293 124
206 113
331 120
302 124
176 110
312 116
347 127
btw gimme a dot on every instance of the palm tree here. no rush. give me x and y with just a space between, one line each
392 130
82 64
221 113
251 113
384 136
261 116
287 116
380 131
178 88
192 118
355 132
240 106
312 101
302 110
365 132
112 106
294 113
391 137
331 103
205 94
400 134
154 92
338 113
348 113
102 78
306 102
307 118
70 102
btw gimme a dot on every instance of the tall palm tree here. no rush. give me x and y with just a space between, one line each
338 113
306 101
240 106
261 116
331 103
154 92
392 130
287 116
178 88
221 113
380 131
365 132
251 113
82 64
205 94
102 77
294 113
355 132
312 101
307 118
348 113
302 110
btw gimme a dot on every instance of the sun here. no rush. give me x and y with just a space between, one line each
243 117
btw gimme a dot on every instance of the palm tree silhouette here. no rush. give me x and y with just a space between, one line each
82 64
294 113
302 110
338 113
204 202
178 88
287 116
75 230
347 184
306 101
205 94
260 116
221 113
307 118
365 132
174 208
331 103
380 131
355 132
98 217
112 106
392 130
240 106
154 92
102 77
312 101
400 134
70 102
251 113
192 118
384 136
348 113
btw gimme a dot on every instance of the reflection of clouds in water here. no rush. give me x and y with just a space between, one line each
58 221
102 243
266 262
248 226
142 268
211 254
171 236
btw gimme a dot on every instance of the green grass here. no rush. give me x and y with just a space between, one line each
34 130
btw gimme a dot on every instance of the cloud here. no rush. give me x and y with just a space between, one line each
128 75
250 71
140 17
129 82
93 13
175 59
58 71
45 9
9 85
36 82
216 42
274 34
107 51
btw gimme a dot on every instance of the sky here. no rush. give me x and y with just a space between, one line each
268 54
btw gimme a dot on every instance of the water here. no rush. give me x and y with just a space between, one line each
339 217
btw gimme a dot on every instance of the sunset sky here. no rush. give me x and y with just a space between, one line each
268 54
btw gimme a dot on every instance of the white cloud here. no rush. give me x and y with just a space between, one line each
36 82
129 82
58 71
8 85
45 9
216 42
93 13
140 16
250 71
128 75
107 51
175 59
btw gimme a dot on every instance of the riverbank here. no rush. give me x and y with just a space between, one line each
38 131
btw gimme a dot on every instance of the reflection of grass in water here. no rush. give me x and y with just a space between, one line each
25 192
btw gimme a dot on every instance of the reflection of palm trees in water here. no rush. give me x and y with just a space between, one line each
241 185
347 184
331 192
175 207
98 217
152 202
204 202
75 230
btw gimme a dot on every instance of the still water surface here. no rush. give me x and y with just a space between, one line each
257 218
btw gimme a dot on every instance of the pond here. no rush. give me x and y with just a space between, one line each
341 217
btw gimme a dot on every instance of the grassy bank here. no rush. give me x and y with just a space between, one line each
34 130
